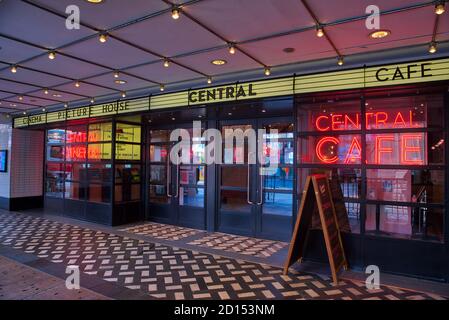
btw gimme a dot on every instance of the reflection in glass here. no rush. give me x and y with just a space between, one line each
192 175
127 192
100 132
99 172
128 133
159 135
158 194
54 188
235 176
158 153
232 200
75 191
99 193
158 174
193 197
76 171
279 179
279 204
127 173
283 152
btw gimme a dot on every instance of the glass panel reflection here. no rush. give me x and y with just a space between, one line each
278 204
278 178
192 175
158 174
158 153
158 194
235 176
193 197
232 200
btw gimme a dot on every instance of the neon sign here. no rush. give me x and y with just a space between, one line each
394 148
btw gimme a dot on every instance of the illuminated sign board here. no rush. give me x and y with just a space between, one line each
366 77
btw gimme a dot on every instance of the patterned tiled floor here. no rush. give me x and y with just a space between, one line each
165 272
243 245
162 231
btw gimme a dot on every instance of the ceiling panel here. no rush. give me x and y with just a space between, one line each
37 26
131 82
33 101
235 62
85 89
13 52
443 29
112 53
64 96
169 37
402 26
110 13
67 67
4 95
15 87
306 46
33 77
330 11
159 73
20 106
238 20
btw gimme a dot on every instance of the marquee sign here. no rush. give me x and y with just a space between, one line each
366 77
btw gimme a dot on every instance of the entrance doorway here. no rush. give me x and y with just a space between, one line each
254 199
176 192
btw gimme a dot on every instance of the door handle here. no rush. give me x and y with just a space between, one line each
261 187
247 185
177 182
168 177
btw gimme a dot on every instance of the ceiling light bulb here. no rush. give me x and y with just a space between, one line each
103 37
51 55
123 94
43 109
231 49
24 112
20 98
13 69
116 74
166 63
66 105
77 84
45 91
92 100
340 61
319 32
175 13
209 80
267 71
162 87
432 47
439 8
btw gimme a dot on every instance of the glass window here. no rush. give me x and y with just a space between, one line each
128 133
55 171
192 175
235 176
56 136
124 151
329 116
54 187
99 151
76 171
127 192
279 204
76 152
76 134
75 190
99 172
127 173
404 221
159 136
158 153
193 197
99 193
158 174
280 178
342 149
158 194
100 132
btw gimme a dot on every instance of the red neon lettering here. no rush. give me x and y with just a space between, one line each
317 122
323 158
411 149
349 121
336 122
381 118
380 149
350 156
399 120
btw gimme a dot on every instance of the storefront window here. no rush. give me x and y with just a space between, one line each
396 137
99 132
128 133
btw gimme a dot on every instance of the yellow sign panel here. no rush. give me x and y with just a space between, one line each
56 116
407 73
125 151
394 74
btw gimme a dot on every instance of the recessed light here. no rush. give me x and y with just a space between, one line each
218 62
288 50
13 69
175 13
51 55
120 81
95 1
13 105
103 37
166 63
379 34
57 95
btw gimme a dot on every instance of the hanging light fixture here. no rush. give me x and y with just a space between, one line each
267 71
166 63
123 94
319 32
20 98
51 55
231 48
175 13
209 80
340 61
162 87
116 74
45 91
103 37
92 100
432 47
66 105
439 8
77 84
13 69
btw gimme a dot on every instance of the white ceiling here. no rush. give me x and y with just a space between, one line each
142 33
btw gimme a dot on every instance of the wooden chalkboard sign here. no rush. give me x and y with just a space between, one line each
317 195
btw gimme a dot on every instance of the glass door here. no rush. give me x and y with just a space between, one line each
176 191
256 180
